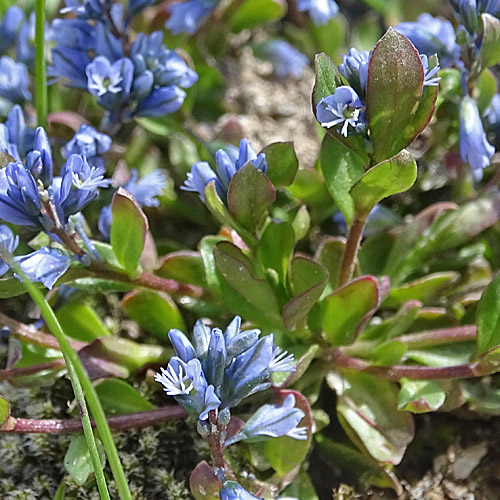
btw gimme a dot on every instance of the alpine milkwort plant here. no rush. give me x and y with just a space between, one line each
214 375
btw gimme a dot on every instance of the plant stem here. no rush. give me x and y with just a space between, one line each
119 422
351 249
87 430
36 337
414 372
41 95
90 392
216 444
10 373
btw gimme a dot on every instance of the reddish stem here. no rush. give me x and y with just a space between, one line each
120 422
10 373
397 372
351 250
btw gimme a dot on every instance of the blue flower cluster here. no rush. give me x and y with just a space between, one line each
223 368
16 38
345 109
188 16
227 163
217 373
30 194
320 11
286 60
143 78
469 11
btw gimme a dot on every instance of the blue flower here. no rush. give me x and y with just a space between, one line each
107 44
9 29
8 245
149 53
162 101
430 77
231 490
468 11
146 188
321 11
46 265
354 69
342 109
19 134
430 36
89 142
222 368
110 83
74 34
271 421
69 64
14 80
187 16
84 9
285 59
474 147
39 160
226 165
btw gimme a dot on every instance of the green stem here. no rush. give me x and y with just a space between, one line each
87 430
90 392
351 249
41 95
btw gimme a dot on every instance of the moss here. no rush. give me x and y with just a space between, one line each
157 460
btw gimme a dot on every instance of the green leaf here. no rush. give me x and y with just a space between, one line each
183 266
285 453
77 460
256 12
153 311
327 79
128 230
420 396
329 255
282 161
488 319
393 93
4 410
367 410
61 491
301 487
444 355
481 397
203 483
81 322
249 196
275 247
120 398
342 169
254 292
490 45
347 310
423 115
308 280
389 177
388 353
423 289
487 87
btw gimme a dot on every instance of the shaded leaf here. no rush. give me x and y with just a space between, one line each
342 169
329 254
4 410
120 398
389 177
488 319
420 396
153 311
489 54
367 410
282 161
347 310
81 322
255 12
77 459
128 230
249 196
203 483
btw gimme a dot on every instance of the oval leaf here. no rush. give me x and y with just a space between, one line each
420 396
77 460
394 89
128 230
282 161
